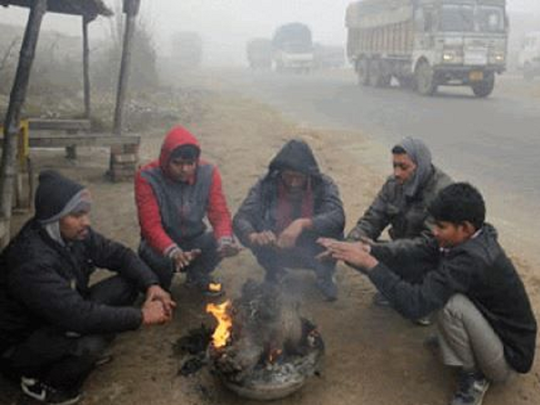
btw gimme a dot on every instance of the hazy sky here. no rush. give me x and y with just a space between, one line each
227 24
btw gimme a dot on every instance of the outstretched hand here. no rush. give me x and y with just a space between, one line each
265 238
183 259
355 254
229 249
287 239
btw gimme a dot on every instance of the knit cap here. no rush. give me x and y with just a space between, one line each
57 196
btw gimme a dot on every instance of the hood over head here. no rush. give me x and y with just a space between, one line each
295 155
177 137
58 196
421 156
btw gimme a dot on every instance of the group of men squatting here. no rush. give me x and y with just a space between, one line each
439 262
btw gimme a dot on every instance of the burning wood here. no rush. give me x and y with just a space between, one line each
214 287
262 347
222 333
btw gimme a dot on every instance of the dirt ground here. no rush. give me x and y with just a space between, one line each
373 355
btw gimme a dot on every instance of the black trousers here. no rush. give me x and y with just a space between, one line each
62 359
301 256
199 269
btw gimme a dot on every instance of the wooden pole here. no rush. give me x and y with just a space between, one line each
86 68
8 168
131 8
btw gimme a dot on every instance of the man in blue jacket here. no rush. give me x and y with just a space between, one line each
54 327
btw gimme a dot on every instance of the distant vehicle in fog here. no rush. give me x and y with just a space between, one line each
328 56
293 48
428 43
187 49
259 53
529 56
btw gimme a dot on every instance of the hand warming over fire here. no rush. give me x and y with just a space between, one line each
156 293
355 254
228 249
264 238
182 259
287 238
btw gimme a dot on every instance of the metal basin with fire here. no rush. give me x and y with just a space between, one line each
262 349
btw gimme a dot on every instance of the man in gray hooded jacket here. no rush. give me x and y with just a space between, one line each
286 212
403 200
402 203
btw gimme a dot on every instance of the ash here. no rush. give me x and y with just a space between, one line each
271 344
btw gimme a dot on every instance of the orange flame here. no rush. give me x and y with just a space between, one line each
223 331
274 355
214 287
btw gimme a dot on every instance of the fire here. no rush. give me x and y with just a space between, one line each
214 287
274 355
223 331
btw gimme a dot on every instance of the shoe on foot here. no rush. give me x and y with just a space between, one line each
423 321
472 387
47 394
379 300
327 286
105 358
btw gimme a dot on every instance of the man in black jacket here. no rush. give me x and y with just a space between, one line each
287 211
54 327
486 326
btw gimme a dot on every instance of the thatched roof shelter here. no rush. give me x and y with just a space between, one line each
89 9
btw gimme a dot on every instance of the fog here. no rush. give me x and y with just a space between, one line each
225 26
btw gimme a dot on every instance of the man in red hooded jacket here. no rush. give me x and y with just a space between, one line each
174 194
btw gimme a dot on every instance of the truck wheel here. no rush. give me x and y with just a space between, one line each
485 87
362 70
425 79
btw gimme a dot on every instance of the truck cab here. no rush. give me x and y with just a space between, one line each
459 42
293 48
529 55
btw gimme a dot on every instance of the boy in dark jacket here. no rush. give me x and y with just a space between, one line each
174 195
53 325
485 323
287 211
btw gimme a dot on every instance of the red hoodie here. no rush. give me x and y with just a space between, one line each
170 211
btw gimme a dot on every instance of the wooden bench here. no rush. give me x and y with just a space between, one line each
69 126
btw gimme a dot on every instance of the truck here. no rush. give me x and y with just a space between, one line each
293 48
428 43
529 55
259 53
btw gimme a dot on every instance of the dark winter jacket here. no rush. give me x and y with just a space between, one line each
43 283
478 269
258 212
170 211
408 217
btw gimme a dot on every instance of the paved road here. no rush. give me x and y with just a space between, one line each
493 142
